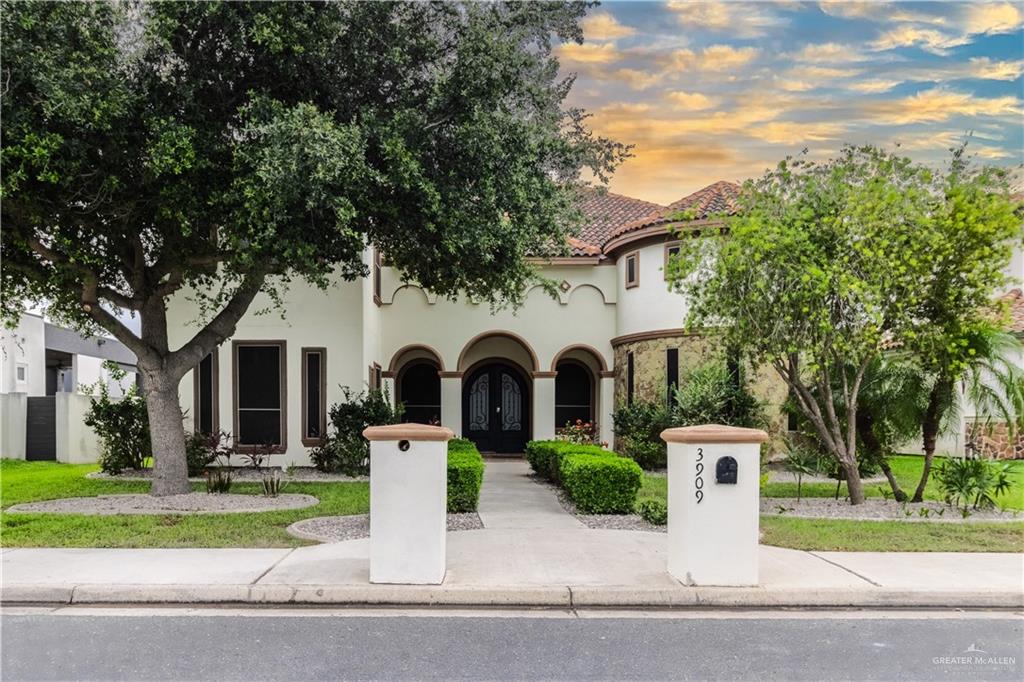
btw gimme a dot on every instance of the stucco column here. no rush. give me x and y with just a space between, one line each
605 408
451 401
543 405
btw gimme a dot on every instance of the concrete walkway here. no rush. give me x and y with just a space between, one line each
510 498
520 567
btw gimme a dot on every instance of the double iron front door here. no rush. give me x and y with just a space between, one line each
495 409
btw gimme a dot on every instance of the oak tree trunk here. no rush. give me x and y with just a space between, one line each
170 468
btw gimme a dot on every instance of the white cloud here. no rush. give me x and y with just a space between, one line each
796 132
589 53
939 104
635 78
927 39
603 26
828 53
983 67
691 101
989 18
874 86
740 19
713 58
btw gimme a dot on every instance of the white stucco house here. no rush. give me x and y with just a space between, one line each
613 333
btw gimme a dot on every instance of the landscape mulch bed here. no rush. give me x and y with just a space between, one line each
341 528
189 503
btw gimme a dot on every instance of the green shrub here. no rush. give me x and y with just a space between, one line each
122 425
344 449
600 484
972 483
544 456
203 449
653 511
712 395
465 475
638 430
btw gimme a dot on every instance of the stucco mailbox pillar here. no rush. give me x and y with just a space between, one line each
713 511
408 503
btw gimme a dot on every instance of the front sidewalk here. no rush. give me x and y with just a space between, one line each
498 567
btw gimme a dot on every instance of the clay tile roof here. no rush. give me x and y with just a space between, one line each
719 197
604 212
1015 299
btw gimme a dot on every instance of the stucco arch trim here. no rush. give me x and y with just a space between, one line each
502 334
590 350
396 359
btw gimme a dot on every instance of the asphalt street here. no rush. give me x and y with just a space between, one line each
80 643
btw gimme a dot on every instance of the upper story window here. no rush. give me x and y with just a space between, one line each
376 276
671 251
21 373
632 269
260 406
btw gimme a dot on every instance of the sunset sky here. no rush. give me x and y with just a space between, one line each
721 91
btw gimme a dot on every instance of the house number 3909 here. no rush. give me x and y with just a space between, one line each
698 480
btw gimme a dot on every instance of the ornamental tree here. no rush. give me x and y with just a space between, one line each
828 263
228 148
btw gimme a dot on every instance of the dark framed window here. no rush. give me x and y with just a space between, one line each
205 395
260 380
314 391
376 277
632 269
574 393
671 372
629 378
671 251
419 390
373 377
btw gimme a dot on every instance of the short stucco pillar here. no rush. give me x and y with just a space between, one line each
544 406
408 503
713 504
606 408
451 401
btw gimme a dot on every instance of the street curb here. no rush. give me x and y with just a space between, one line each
522 596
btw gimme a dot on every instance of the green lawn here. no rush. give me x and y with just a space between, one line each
881 536
34 481
907 469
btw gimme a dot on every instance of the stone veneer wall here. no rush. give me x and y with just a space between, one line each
994 440
650 367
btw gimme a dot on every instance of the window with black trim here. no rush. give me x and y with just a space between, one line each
376 276
629 378
671 372
671 251
374 377
205 398
574 390
260 405
632 269
314 388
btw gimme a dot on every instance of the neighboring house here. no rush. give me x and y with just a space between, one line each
44 372
613 334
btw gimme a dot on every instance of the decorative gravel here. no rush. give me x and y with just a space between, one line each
299 475
189 503
783 476
875 509
340 528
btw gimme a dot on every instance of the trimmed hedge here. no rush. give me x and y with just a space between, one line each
598 481
465 475
545 456
601 484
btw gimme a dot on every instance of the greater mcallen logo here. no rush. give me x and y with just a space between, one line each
973 656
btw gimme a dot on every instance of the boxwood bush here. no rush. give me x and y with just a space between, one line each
601 484
465 475
545 456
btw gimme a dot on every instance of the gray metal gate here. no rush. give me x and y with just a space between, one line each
41 429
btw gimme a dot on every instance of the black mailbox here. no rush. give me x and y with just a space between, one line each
725 470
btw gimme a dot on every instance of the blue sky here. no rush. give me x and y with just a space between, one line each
712 91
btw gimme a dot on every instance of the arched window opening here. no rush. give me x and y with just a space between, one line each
419 388
574 390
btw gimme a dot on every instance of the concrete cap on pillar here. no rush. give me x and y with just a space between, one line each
713 433
408 432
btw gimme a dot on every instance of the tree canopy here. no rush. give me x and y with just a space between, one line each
229 147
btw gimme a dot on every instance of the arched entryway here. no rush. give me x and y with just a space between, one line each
496 407
418 388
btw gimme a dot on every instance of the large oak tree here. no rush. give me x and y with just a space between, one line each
226 148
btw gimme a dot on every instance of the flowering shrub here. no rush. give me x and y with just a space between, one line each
580 433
